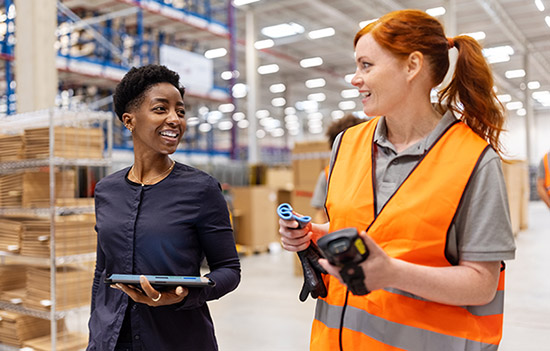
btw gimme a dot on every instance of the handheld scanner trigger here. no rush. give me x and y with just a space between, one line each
285 212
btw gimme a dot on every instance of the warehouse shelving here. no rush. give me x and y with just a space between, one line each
54 213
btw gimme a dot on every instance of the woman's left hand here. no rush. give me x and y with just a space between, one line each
151 297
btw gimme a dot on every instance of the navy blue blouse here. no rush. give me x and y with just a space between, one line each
164 229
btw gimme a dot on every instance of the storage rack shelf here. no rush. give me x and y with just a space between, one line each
88 143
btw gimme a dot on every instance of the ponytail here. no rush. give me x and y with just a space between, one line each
470 93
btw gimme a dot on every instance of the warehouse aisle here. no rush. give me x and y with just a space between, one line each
264 314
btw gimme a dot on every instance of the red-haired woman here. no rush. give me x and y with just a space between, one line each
424 186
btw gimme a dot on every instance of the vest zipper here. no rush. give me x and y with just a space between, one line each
342 321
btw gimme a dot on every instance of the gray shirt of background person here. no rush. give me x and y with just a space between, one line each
481 230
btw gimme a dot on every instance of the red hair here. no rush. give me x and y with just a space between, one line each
470 93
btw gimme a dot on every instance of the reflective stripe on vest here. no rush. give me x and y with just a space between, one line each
547 172
425 205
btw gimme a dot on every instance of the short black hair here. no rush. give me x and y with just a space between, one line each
131 89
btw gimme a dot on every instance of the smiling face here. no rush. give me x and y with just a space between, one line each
158 123
381 77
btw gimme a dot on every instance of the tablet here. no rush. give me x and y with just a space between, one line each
161 280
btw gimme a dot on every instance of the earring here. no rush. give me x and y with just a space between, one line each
130 128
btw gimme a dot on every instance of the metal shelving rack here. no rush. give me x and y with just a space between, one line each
51 118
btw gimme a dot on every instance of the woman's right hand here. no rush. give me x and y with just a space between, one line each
295 239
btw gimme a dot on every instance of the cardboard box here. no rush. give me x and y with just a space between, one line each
515 175
258 223
280 178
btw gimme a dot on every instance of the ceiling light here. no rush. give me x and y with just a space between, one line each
307 105
543 97
539 5
498 53
264 44
213 117
243 124
477 35
514 105
192 121
226 75
267 69
260 134
547 20
278 132
311 62
262 114
290 111
349 93
337 114
317 97
533 85
436 11
349 77
291 118
238 116
315 83
226 108
504 98
205 127
321 33
363 24
515 73
315 116
225 125
277 88
278 102
215 53
521 112
239 90
346 105
243 2
282 30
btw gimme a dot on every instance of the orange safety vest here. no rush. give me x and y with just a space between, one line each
547 172
413 227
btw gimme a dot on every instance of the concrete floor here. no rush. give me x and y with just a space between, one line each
264 313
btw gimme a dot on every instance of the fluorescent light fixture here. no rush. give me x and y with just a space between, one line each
315 83
264 44
547 20
213 117
317 97
315 116
215 53
277 132
311 62
226 108
238 116
346 105
260 134
363 24
243 124
267 69
515 73
321 33
498 53
514 105
533 85
225 125
226 75
239 90
543 97
277 88
290 111
205 127
539 5
477 35
307 105
192 121
504 98
436 11
291 118
262 114
278 102
203 110
349 93
349 77
337 114
521 112
243 2
282 30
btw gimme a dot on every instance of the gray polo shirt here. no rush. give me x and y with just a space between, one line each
481 230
